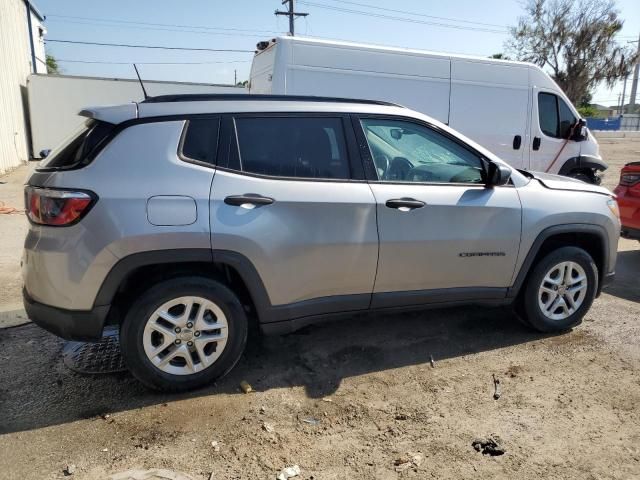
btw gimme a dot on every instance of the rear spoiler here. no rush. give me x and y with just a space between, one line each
111 114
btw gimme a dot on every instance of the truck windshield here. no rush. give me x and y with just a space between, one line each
79 146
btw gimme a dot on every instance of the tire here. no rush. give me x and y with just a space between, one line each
585 176
145 331
538 295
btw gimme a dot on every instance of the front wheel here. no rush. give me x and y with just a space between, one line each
560 290
183 333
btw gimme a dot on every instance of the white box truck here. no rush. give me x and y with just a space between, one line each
512 108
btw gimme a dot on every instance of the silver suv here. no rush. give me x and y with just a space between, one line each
190 220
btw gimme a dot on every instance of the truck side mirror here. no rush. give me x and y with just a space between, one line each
497 174
580 132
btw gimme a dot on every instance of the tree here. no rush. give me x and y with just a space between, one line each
499 56
576 40
588 111
243 84
52 65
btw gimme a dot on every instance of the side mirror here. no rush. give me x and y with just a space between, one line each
580 132
497 174
45 153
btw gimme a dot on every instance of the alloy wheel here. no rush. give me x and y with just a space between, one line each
185 335
563 290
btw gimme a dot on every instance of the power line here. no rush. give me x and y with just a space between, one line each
63 60
402 19
419 14
147 46
163 24
138 27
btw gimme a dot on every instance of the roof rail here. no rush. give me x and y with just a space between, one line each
210 97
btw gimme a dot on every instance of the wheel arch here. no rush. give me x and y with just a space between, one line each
591 238
136 272
581 163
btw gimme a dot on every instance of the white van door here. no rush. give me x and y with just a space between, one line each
490 103
552 120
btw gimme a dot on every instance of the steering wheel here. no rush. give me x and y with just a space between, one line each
381 163
399 169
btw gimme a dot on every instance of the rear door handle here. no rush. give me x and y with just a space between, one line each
248 199
404 204
517 141
536 143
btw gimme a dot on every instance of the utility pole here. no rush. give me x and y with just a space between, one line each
292 14
235 77
624 95
634 83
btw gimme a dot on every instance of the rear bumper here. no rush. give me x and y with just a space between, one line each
80 325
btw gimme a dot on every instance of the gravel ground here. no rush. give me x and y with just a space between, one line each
351 399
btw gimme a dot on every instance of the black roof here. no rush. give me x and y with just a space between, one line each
209 97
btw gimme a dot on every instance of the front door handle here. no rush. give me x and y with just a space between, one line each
536 143
248 199
517 141
404 204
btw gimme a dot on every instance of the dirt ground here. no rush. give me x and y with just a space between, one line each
354 399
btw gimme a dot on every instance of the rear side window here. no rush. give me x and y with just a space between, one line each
303 147
82 148
556 118
200 141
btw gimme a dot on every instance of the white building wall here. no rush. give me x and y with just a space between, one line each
15 66
55 100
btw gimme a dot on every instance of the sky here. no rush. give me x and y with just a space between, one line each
455 26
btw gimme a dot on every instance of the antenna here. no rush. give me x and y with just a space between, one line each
141 84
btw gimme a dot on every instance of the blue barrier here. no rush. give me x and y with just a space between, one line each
611 123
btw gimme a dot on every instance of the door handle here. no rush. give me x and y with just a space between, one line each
248 198
536 143
517 141
404 204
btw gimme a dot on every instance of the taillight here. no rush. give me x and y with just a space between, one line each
628 179
59 208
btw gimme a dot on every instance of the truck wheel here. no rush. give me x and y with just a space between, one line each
586 177
183 333
560 290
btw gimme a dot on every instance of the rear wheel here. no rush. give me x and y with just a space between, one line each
560 290
183 333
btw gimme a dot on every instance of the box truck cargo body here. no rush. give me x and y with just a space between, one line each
512 108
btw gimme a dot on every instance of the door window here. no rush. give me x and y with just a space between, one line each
407 152
555 116
200 140
303 147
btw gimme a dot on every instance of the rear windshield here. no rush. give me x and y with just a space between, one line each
80 148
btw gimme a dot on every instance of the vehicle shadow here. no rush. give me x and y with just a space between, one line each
627 281
37 390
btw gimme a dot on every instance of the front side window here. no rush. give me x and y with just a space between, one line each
407 152
303 147
555 116
567 119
